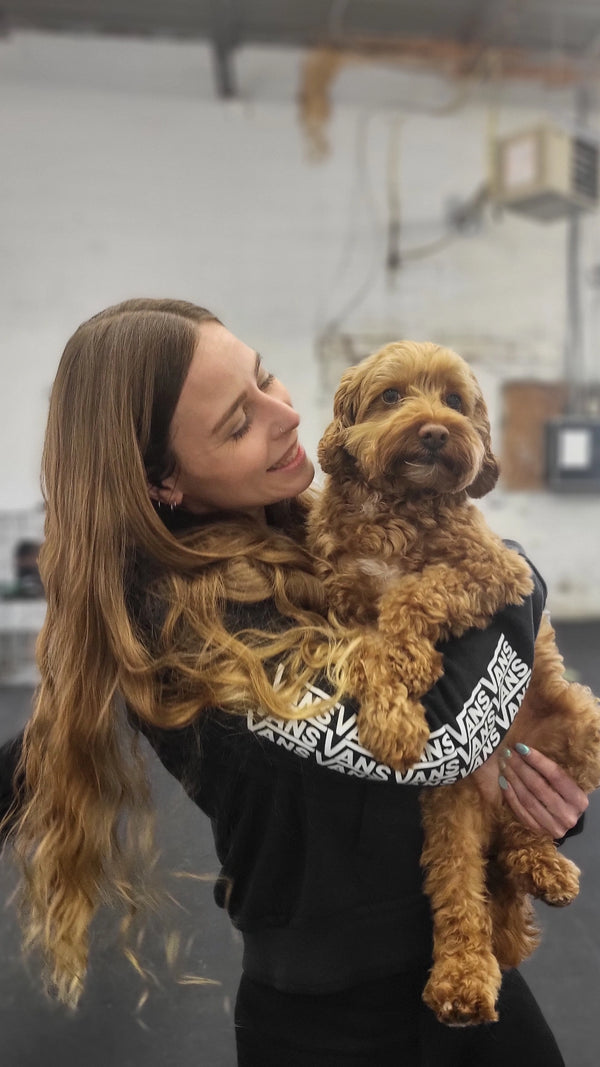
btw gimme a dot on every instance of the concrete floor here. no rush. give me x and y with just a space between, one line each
190 1025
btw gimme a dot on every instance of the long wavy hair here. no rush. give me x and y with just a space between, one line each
136 619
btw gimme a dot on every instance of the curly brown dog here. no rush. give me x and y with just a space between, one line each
406 555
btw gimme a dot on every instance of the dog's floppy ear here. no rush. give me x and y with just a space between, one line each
488 475
333 456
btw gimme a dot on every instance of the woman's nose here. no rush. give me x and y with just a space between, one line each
285 419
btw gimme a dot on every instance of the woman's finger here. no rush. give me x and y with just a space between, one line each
522 811
541 794
525 758
533 787
532 811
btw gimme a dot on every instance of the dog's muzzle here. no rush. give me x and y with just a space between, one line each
433 436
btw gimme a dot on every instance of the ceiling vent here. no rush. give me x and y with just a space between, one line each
546 173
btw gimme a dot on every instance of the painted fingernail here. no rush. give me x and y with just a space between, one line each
502 782
505 753
523 750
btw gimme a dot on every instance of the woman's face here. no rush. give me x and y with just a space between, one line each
234 432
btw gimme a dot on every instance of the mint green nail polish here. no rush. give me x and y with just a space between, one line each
523 750
502 782
505 753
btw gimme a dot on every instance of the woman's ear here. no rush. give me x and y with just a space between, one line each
166 493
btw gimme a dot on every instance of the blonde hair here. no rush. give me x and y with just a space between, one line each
135 618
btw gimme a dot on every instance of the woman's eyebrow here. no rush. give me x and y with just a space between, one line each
236 403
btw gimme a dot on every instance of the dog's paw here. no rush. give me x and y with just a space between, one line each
394 730
547 876
400 755
467 999
558 886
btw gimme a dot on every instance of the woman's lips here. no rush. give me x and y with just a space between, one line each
292 458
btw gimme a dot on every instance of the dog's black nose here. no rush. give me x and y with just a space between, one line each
433 436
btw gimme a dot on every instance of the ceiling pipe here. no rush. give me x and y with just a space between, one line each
225 39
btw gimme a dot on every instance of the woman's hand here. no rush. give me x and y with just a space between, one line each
541 794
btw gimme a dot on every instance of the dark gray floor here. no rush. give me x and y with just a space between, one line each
191 1026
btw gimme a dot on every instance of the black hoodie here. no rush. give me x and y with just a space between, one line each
320 844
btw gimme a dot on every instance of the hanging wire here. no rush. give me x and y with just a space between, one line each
485 60
362 195
393 258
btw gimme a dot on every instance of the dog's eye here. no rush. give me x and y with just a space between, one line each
453 401
390 396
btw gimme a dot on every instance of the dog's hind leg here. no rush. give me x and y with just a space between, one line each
515 931
535 863
465 978
561 720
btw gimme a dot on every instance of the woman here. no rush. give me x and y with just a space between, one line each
182 603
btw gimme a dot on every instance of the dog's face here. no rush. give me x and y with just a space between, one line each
411 417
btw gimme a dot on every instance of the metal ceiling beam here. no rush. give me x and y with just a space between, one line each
527 24
482 18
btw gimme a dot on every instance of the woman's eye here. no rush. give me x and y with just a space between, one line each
454 401
390 396
237 434
263 384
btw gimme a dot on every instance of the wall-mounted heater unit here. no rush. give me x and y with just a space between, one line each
546 172
573 453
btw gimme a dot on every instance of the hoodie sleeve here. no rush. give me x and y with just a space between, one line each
469 710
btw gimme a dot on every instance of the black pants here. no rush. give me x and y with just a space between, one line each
386 1024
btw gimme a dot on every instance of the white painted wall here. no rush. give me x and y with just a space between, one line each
122 175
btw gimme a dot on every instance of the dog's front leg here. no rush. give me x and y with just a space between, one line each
396 664
390 724
465 978
352 593
442 600
415 612
420 609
